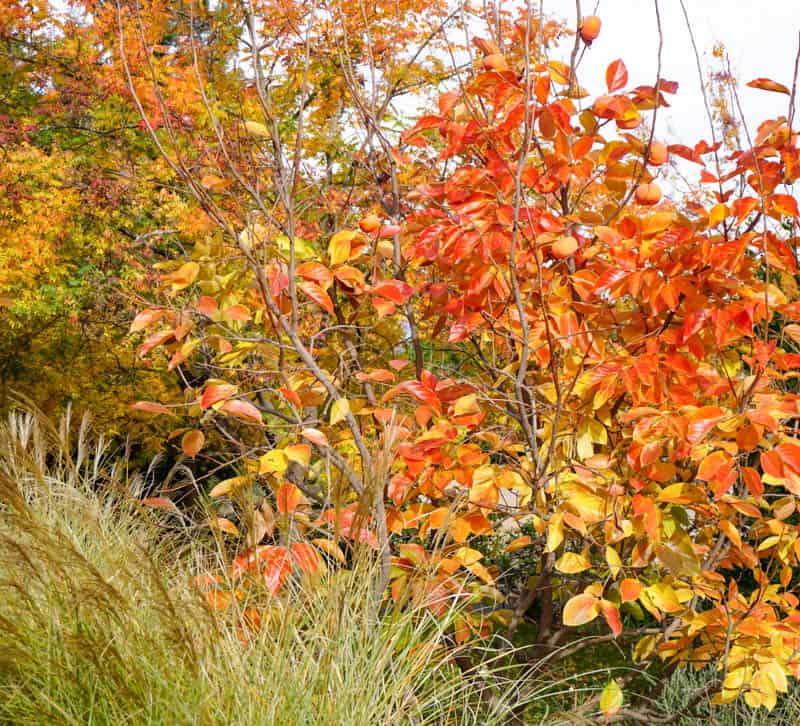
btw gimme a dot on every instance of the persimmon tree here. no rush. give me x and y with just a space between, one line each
503 317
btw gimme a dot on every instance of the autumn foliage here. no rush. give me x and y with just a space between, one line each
496 334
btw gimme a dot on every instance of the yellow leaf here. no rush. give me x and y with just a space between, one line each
644 647
299 453
717 214
776 674
571 563
339 247
611 699
589 507
273 462
467 556
466 405
228 485
184 276
679 557
329 547
663 597
730 531
555 532
484 494
613 561
477 569
680 493
584 446
254 128
737 677
339 410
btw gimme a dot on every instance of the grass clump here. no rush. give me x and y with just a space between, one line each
99 624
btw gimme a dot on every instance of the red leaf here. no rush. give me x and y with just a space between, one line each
616 76
782 205
161 503
685 153
149 407
389 230
611 614
154 340
315 436
146 318
215 393
207 306
423 124
395 290
318 295
418 390
242 409
668 86
277 568
306 557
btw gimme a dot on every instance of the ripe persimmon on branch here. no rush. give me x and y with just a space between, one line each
502 317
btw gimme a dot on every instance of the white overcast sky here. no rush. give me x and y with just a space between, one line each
761 37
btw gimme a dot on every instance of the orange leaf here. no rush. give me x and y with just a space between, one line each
318 295
236 313
146 318
289 497
316 272
711 467
225 525
192 442
519 543
766 84
329 547
789 453
771 463
218 599
580 610
630 589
